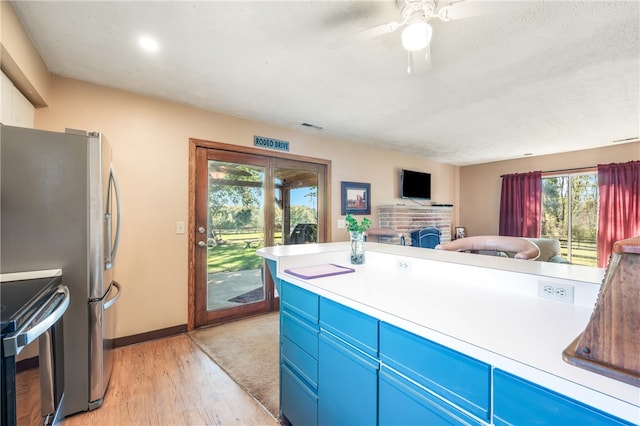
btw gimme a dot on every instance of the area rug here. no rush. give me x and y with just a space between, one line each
254 295
247 350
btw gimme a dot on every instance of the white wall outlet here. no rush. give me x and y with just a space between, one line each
403 265
555 291
342 224
179 228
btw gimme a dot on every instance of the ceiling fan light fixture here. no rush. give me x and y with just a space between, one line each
416 36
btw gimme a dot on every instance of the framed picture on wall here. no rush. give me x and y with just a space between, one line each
460 233
356 198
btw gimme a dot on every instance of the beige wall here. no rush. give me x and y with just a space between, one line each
480 185
20 60
150 139
150 152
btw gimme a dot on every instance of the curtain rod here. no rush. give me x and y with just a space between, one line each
574 169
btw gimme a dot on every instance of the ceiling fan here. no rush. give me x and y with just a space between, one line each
414 17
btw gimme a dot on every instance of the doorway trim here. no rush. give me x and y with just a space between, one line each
200 143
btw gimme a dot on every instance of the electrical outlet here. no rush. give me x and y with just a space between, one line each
403 265
555 291
342 224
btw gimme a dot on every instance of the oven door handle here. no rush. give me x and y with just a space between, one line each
44 318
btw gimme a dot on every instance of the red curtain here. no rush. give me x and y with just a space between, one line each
619 212
521 204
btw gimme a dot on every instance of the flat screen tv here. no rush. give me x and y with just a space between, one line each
415 185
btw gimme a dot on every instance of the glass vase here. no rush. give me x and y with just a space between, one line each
357 247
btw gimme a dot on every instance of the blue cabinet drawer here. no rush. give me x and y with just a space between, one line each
298 403
299 332
300 362
517 401
347 384
355 328
299 301
456 377
403 403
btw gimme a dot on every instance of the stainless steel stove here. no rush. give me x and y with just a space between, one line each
31 308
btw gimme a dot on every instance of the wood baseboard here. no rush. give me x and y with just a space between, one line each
33 362
149 335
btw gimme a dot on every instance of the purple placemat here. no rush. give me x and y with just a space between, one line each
319 271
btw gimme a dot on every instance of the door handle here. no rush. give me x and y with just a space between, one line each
52 311
110 249
202 244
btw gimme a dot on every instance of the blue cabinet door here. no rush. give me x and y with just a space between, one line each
298 403
518 402
403 403
456 377
347 384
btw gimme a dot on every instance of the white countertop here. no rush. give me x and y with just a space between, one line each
484 306
30 275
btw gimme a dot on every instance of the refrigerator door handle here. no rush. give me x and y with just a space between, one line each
29 332
114 299
112 250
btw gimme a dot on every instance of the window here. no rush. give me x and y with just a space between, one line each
570 214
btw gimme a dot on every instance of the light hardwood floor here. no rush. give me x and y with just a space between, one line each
171 382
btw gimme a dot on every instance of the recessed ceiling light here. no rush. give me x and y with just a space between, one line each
148 44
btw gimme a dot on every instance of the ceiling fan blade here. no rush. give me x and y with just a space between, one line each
415 63
364 35
427 58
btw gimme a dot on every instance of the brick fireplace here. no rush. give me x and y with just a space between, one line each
406 219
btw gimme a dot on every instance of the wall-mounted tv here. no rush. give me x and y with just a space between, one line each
415 185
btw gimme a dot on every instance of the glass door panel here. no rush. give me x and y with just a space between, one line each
235 228
296 218
230 211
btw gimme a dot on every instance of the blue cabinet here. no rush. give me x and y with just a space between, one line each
298 401
347 384
298 355
455 377
272 268
339 366
353 327
517 401
348 366
402 402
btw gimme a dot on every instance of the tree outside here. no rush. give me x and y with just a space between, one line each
236 212
570 214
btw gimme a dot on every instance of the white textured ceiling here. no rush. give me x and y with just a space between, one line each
535 77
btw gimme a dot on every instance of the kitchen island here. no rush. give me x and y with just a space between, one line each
425 336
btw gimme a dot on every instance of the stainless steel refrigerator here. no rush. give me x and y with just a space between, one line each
59 208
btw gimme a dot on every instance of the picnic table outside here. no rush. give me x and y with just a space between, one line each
248 243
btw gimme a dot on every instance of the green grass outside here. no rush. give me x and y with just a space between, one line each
233 255
582 253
